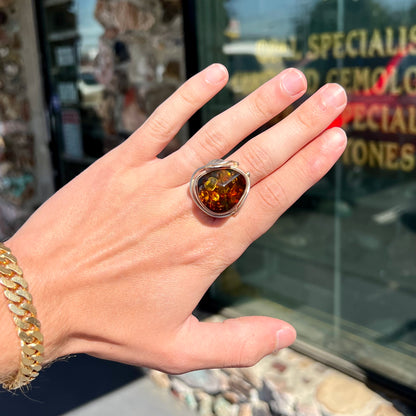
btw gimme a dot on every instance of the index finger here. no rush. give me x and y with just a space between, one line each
228 129
165 122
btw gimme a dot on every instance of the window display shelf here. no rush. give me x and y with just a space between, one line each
62 36
51 3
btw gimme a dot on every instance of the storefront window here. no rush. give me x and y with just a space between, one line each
25 172
340 264
111 63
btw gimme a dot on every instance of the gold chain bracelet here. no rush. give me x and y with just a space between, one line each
24 316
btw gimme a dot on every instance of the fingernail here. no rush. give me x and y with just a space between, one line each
339 138
333 95
284 337
215 74
293 82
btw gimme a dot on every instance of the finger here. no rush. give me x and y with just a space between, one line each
239 342
271 149
221 134
165 122
272 196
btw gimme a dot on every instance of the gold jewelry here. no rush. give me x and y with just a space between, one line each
24 316
220 188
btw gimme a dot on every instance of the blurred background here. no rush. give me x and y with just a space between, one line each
77 77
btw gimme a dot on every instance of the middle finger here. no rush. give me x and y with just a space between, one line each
271 149
225 131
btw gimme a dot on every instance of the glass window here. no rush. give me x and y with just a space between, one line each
340 264
110 64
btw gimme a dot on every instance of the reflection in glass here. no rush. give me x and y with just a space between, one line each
111 63
341 264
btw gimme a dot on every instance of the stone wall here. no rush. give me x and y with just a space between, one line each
17 181
26 177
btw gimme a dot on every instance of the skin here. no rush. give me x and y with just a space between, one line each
118 259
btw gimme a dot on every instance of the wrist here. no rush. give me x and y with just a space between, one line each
20 304
32 263
10 356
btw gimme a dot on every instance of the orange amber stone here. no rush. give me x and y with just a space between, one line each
220 190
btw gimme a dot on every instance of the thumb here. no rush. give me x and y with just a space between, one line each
239 342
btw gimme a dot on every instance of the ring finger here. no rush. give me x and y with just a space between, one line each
272 148
272 196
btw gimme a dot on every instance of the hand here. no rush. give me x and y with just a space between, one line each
119 258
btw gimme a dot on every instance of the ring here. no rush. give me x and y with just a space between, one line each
220 188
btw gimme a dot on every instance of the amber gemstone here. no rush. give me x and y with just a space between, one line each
220 190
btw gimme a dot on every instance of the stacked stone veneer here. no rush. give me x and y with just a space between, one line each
17 161
284 384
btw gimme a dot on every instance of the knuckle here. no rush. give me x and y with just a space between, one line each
304 169
158 124
174 361
273 195
175 366
247 354
212 139
304 120
188 96
258 159
261 106
190 154
243 351
250 361
246 358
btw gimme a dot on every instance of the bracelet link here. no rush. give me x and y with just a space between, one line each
25 319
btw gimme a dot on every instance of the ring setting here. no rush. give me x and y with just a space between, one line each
220 188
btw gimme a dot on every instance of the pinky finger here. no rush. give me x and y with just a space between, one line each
272 196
